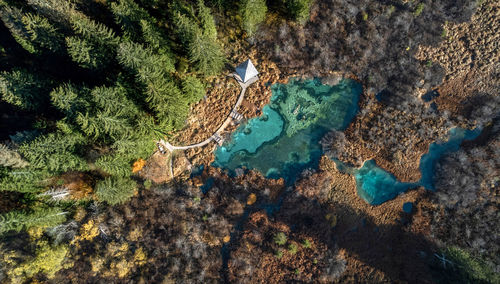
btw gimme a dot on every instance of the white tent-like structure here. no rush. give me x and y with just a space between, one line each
246 71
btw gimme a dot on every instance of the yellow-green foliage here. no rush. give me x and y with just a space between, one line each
292 248
470 269
299 9
280 238
48 260
306 243
419 9
88 232
253 12
118 261
207 21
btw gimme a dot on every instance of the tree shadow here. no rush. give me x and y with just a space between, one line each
401 255
392 248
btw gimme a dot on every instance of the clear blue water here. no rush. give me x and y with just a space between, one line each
209 183
252 135
377 186
285 139
407 207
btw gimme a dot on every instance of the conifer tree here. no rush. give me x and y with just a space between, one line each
253 12
86 53
111 115
10 158
12 18
27 180
99 33
186 28
207 21
103 124
58 11
115 165
124 152
41 217
193 89
162 94
69 99
140 146
204 51
129 15
114 100
24 89
145 126
55 152
299 9
135 56
115 190
206 55
33 32
138 25
42 34
154 38
95 46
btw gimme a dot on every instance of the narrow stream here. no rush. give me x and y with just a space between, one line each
377 186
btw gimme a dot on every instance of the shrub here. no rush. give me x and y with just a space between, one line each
292 248
280 238
148 183
48 260
419 9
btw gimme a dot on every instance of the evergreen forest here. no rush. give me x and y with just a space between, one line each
86 90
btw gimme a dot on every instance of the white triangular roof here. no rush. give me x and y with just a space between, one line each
246 70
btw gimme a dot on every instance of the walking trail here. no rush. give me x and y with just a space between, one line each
216 136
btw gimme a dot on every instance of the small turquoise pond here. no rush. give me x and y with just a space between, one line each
284 140
377 186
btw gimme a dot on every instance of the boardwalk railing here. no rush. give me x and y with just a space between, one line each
164 145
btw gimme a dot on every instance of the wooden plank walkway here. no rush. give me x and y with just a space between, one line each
216 136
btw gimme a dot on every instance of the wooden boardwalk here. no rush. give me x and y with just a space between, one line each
216 136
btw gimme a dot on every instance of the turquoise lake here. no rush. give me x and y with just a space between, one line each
284 140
